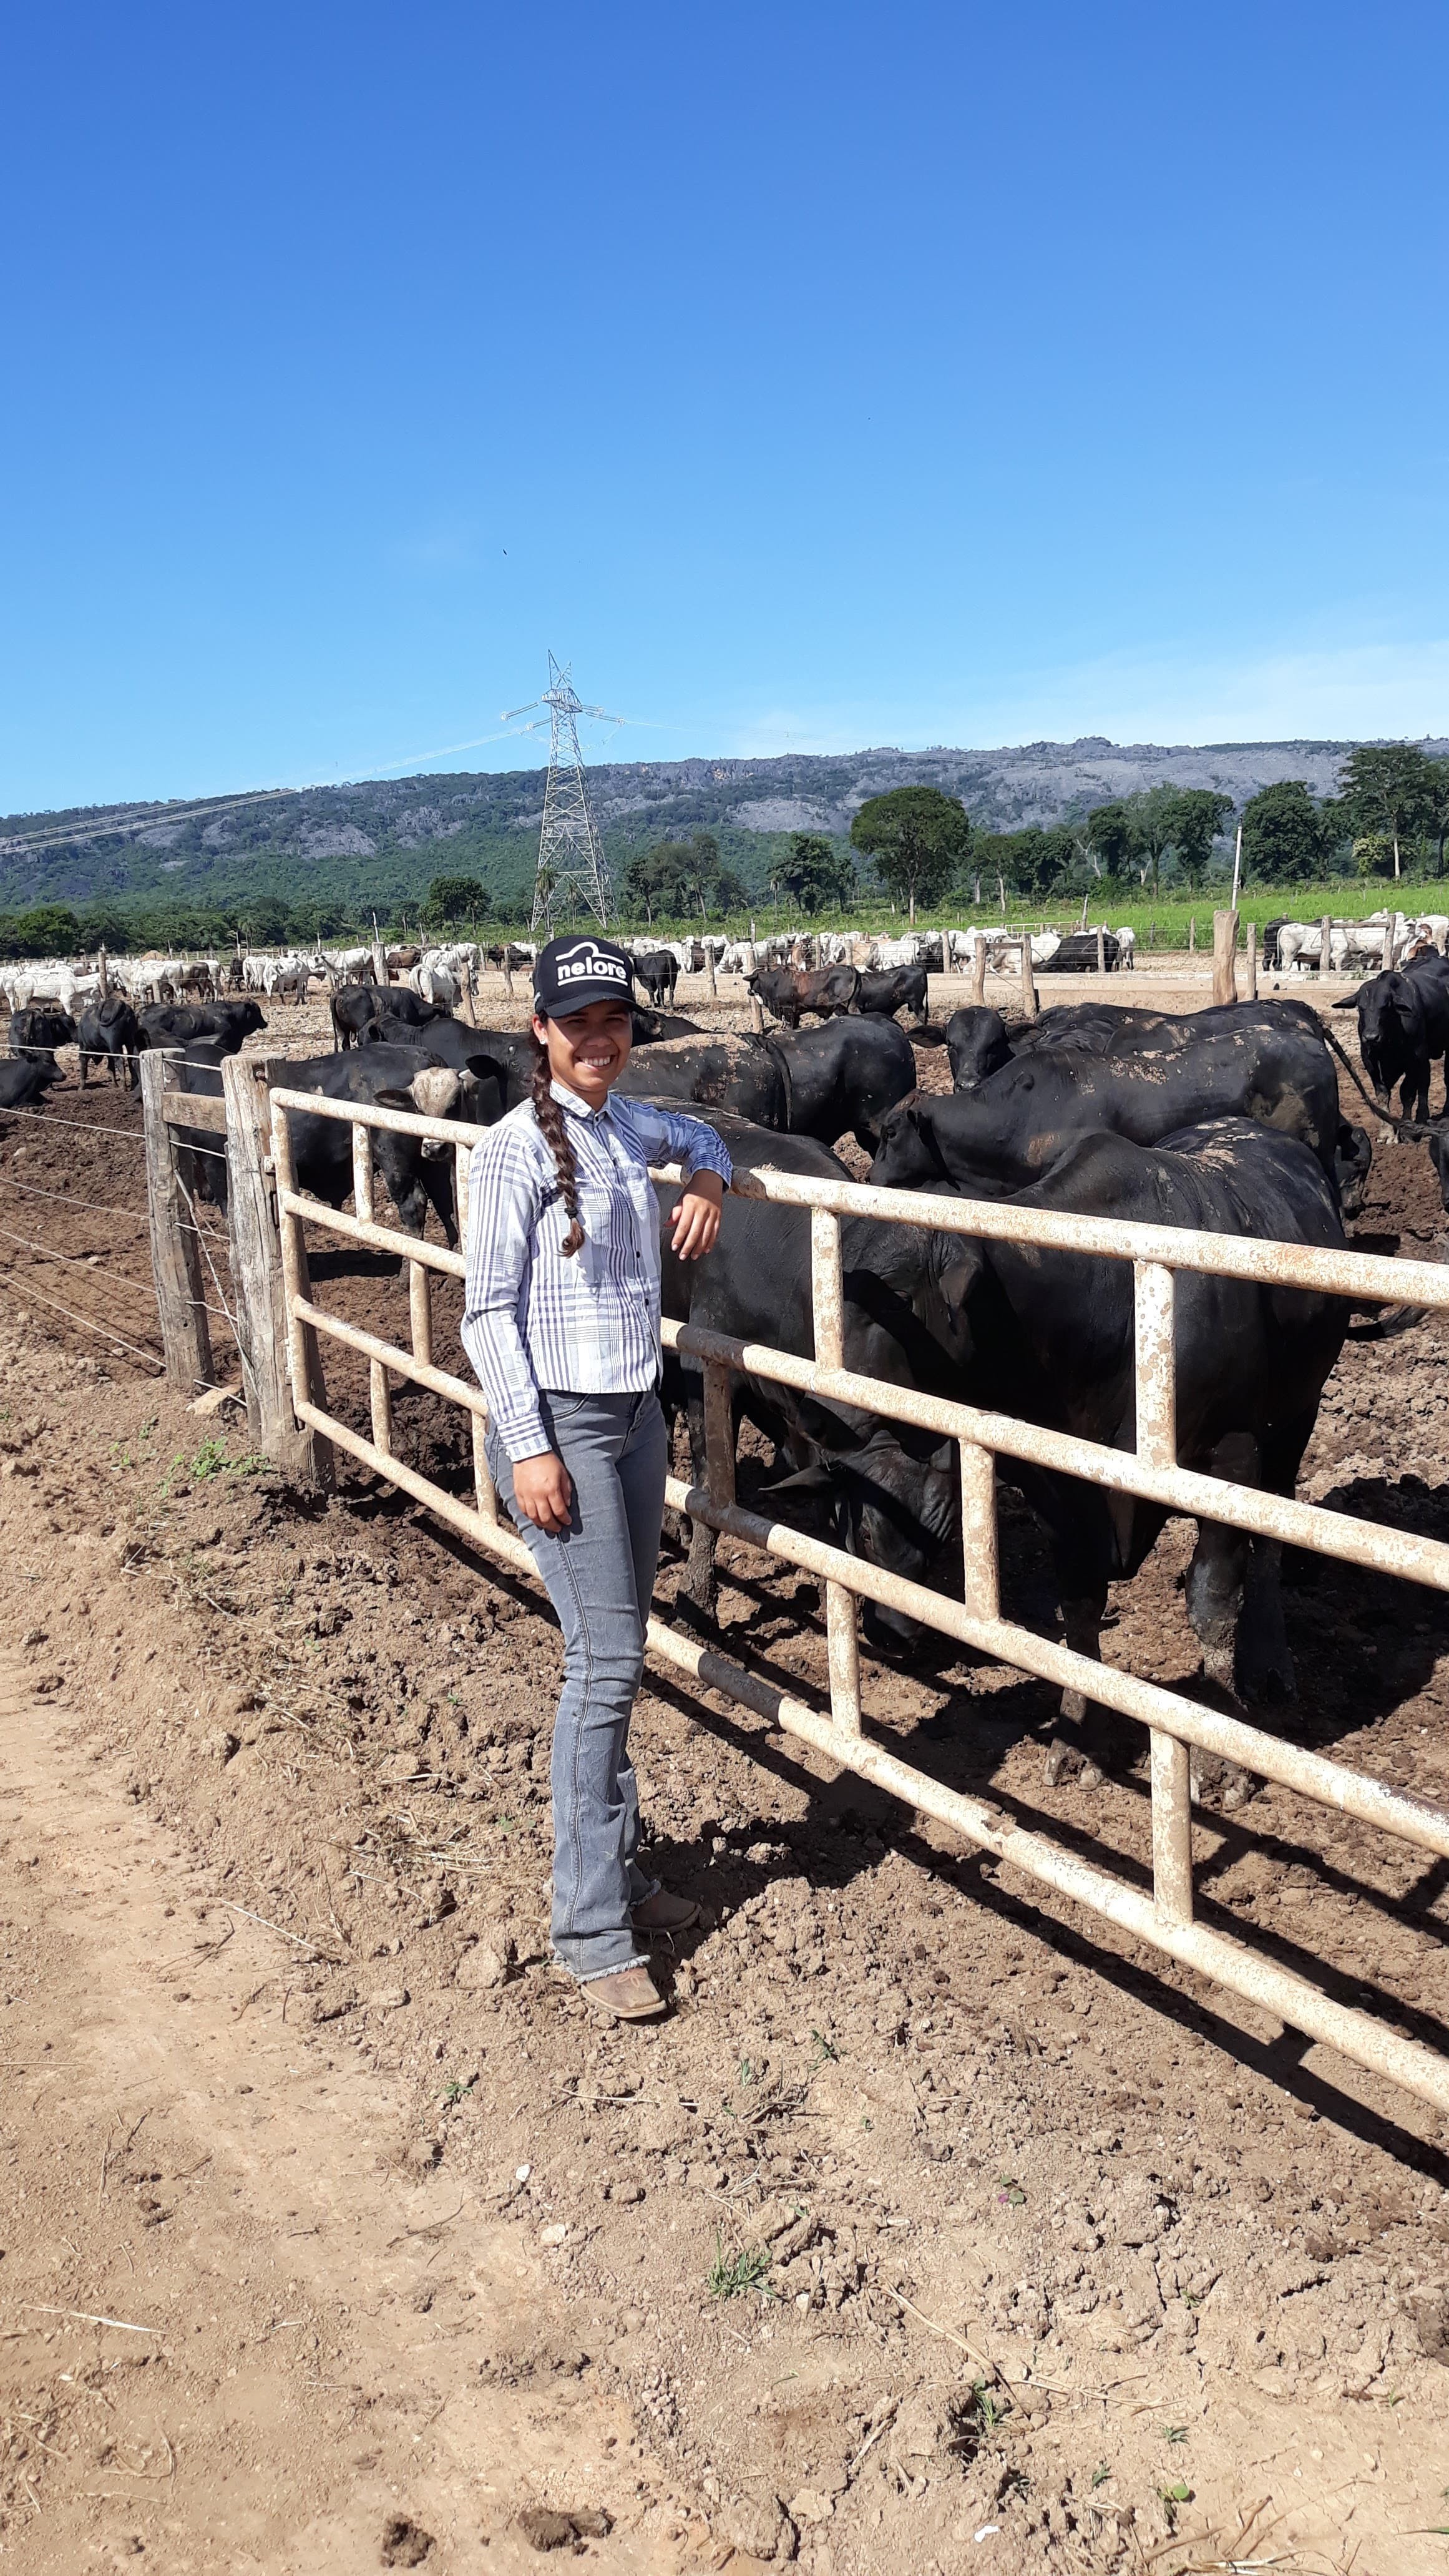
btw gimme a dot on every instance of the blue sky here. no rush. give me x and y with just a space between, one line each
812 376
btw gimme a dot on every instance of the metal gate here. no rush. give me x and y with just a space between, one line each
1175 1724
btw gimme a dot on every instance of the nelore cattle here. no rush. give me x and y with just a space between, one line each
1403 1027
789 991
1253 1060
888 1493
658 972
418 1175
356 1004
175 1024
109 1034
25 1080
39 1030
901 988
1049 1336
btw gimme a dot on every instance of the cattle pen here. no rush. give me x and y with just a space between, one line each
1163 1918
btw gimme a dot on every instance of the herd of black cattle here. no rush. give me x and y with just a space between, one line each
1225 1120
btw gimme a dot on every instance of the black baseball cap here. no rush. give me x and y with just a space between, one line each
571 973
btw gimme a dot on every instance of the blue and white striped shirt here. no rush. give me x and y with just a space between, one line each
588 1324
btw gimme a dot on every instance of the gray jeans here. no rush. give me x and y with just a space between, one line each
599 1575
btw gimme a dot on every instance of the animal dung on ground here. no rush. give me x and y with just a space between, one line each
545 2529
404 2543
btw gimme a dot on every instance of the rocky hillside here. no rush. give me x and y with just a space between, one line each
381 840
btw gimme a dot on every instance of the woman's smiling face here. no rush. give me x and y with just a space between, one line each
588 1051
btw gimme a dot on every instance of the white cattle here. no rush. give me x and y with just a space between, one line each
1126 950
437 984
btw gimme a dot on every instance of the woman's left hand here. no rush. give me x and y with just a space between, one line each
696 1216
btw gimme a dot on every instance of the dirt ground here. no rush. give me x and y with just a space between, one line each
939 2226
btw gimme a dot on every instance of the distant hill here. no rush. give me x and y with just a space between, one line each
380 841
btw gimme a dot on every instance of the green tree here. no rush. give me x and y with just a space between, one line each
651 881
1197 817
700 872
1283 834
675 877
1385 790
815 872
104 925
452 900
917 838
1111 836
47 930
1436 806
1032 862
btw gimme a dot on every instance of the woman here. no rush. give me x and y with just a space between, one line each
561 1323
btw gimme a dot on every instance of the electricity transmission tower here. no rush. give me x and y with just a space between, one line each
573 872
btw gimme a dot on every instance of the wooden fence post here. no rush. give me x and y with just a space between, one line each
175 1250
256 1274
1225 943
978 969
1101 952
1325 943
1028 980
1252 961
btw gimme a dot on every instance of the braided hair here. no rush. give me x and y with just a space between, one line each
555 1135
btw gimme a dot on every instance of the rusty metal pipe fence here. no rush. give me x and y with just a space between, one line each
1166 1917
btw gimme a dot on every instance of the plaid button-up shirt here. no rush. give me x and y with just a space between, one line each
588 1324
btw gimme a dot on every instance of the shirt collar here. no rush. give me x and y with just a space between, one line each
575 1106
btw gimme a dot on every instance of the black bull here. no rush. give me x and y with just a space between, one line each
1403 1025
1017 1122
1049 1337
829 1082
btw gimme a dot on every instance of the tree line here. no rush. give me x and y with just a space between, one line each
911 848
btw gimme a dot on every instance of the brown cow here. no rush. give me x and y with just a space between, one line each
789 991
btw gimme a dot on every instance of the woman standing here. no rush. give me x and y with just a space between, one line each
561 1322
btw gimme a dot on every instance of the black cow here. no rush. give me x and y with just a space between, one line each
887 1492
658 972
790 990
651 1026
25 1080
356 1004
976 1044
737 1073
201 1151
1403 1025
1261 1063
842 1079
898 988
386 1077
109 1033
40 1030
1048 1336
1077 954
175 1024
489 1057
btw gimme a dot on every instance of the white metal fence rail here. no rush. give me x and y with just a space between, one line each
1175 1724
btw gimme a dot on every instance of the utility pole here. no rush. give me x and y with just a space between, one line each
572 870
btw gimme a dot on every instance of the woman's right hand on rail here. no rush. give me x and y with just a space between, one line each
542 1491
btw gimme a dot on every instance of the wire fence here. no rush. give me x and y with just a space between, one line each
119 1306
